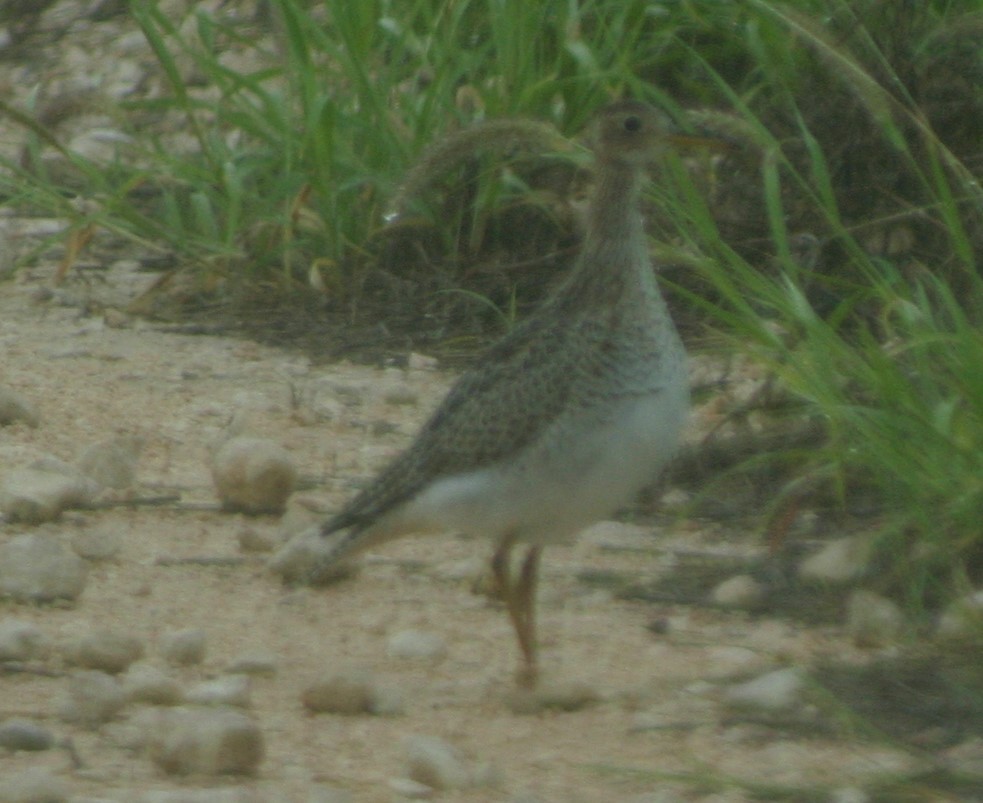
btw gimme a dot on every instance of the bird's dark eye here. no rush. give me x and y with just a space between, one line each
633 124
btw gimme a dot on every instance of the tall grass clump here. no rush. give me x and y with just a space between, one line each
879 337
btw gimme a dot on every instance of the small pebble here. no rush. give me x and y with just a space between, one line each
962 619
14 408
348 693
112 463
22 734
253 540
303 561
99 543
872 620
106 650
255 663
839 561
231 690
435 763
145 683
552 696
779 690
740 591
40 568
33 785
210 741
416 644
20 641
184 647
92 698
411 790
211 795
253 475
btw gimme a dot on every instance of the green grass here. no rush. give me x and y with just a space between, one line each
855 124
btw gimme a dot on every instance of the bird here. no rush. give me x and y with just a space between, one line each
563 420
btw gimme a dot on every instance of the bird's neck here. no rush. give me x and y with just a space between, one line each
614 262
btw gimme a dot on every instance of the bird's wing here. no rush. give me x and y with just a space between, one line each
476 425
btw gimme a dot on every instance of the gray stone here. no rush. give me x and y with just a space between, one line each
112 463
550 695
230 690
40 568
304 560
184 647
779 690
22 734
348 693
106 650
435 763
20 641
98 543
962 619
839 561
14 408
144 683
253 540
39 494
872 620
253 663
408 789
210 741
253 475
740 591
416 644
211 795
92 699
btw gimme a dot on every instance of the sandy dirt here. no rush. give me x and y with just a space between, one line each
659 712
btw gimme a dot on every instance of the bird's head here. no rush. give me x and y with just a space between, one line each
634 133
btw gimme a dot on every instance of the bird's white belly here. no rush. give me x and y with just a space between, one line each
581 471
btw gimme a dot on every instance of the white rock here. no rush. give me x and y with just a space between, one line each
35 495
872 620
33 785
92 698
14 407
838 561
184 647
416 644
22 734
253 475
145 683
231 690
211 741
435 763
740 591
112 463
39 568
20 641
106 650
780 690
